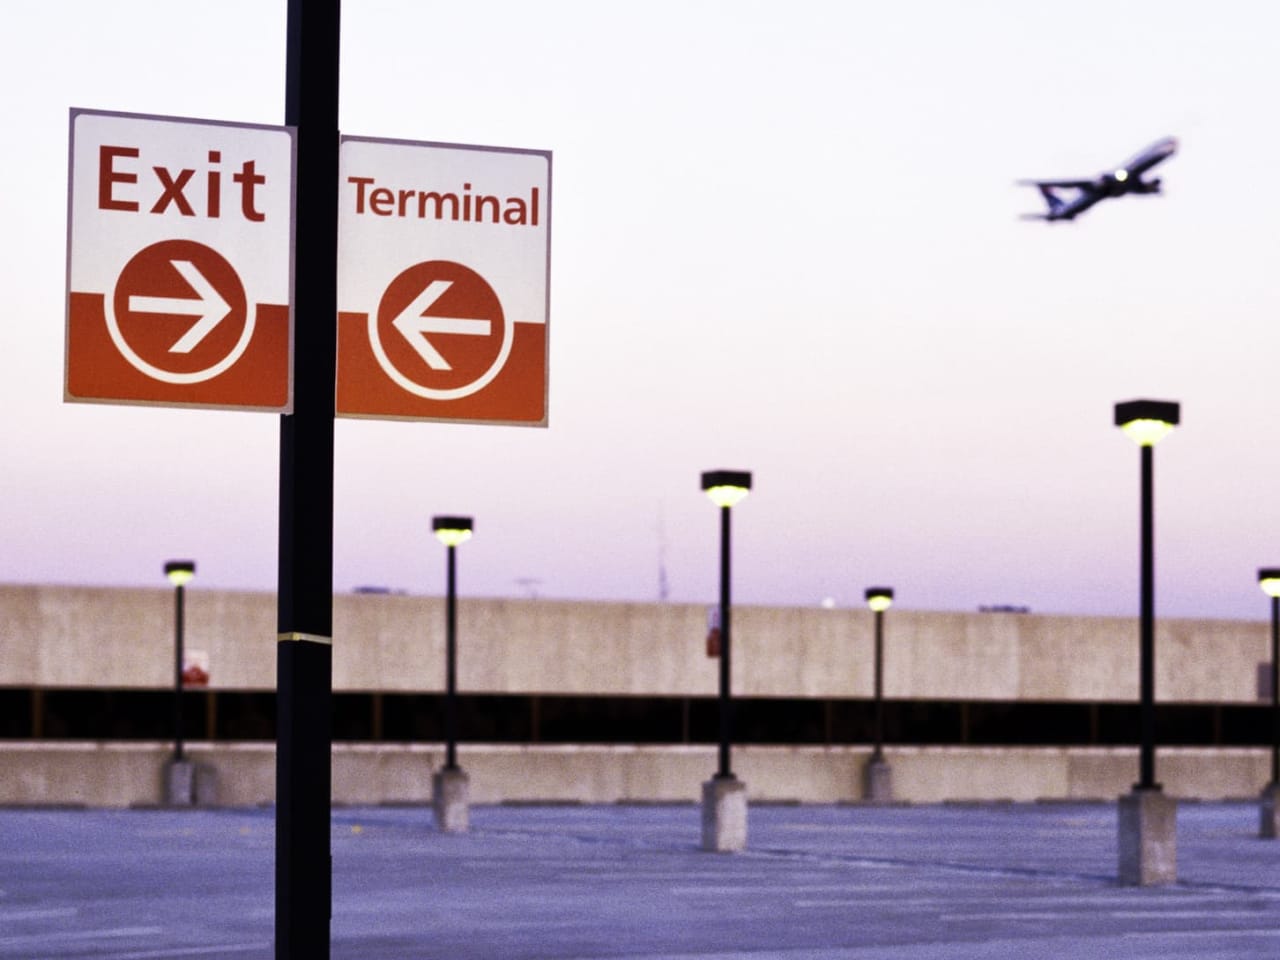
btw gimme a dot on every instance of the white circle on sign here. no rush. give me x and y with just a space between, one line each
416 307
196 282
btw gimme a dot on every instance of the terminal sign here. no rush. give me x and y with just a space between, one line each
180 256
443 259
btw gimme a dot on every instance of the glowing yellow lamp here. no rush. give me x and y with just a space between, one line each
1269 581
180 572
452 531
1147 422
726 487
1146 433
879 599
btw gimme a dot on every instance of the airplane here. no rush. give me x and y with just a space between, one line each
1116 183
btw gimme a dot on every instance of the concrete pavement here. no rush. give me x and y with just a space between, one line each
527 883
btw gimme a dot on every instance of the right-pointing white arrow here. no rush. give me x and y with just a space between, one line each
208 305
413 325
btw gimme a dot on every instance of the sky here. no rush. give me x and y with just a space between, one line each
786 240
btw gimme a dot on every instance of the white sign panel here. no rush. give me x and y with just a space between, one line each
443 281
179 261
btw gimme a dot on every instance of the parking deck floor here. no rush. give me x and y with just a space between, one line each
817 883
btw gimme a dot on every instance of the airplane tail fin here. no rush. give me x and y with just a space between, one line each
1055 202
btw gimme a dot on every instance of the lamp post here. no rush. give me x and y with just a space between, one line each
724 804
451 531
879 599
450 786
180 573
1146 422
725 488
1147 830
1269 581
877 779
180 776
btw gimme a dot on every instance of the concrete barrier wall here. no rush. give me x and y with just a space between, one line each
77 637
96 637
119 775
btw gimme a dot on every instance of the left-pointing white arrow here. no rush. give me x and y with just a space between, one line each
413 325
207 304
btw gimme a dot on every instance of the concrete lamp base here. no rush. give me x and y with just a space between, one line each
724 815
450 799
1148 838
189 784
1269 812
877 781
179 783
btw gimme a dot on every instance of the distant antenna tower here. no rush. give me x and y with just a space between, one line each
664 587
530 585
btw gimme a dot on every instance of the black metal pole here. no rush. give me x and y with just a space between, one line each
878 753
451 664
304 655
726 704
1147 651
177 674
1275 691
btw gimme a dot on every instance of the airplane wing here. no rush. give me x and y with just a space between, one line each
1064 208
1073 184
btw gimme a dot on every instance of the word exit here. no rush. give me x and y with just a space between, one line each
126 182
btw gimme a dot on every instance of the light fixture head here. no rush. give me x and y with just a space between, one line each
726 487
452 531
1269 581
180 572
1147 422
879 599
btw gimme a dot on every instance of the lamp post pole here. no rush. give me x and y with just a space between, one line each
1269 809
878 752
1147 630
179 573
723 769
1275 690
1269 581
178 614
451 662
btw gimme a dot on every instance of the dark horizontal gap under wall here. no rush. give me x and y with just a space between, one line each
128 714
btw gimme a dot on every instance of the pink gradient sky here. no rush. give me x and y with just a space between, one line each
785 240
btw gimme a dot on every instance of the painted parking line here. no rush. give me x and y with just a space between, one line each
1270 932
901 903
221 948
1014 915
71 936
640 874
721 890
37 913
1157 914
